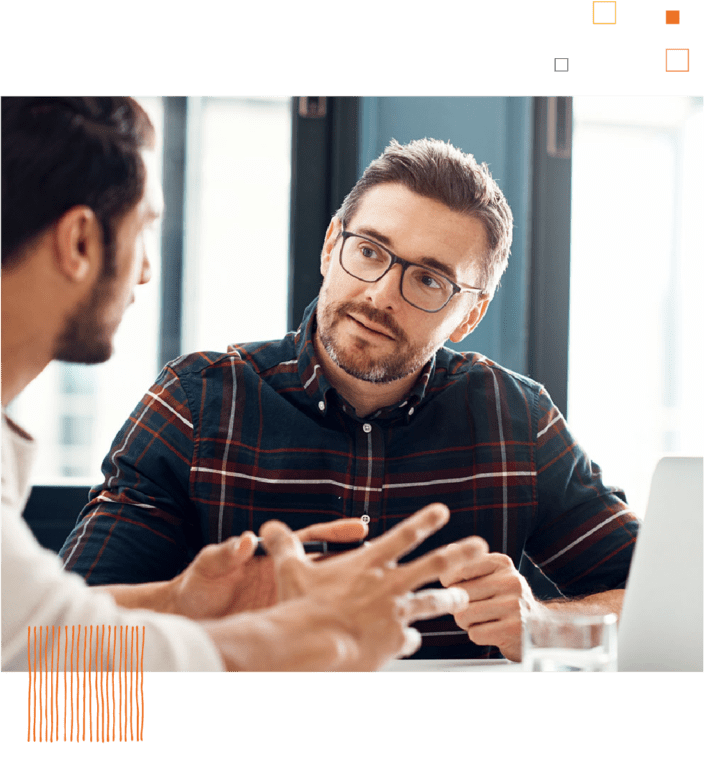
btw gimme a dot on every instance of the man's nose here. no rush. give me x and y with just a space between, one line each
146 274
385 293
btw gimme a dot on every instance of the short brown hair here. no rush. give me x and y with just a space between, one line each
440 171
59 152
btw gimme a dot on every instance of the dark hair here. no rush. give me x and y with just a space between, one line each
58 152
437 170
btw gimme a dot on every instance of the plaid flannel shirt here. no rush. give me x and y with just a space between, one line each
223 442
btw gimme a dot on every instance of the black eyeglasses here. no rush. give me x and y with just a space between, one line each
422 287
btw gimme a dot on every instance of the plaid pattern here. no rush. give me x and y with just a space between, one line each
223 442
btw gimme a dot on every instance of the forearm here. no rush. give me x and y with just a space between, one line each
296 636
154 596
610 601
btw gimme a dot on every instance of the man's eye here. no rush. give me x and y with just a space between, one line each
429 281
368 252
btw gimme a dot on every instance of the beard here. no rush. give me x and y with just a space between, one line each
357 357
85 339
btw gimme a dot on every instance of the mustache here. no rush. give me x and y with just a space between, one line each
372 314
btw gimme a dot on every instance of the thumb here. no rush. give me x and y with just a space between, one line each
218 559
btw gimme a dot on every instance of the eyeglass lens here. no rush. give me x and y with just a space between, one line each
367 261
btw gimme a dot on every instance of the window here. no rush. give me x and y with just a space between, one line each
238 183
635 350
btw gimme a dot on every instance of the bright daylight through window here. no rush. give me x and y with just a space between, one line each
635 354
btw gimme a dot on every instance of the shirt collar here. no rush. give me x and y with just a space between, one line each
320 390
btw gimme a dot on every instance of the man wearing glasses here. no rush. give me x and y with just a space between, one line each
364 413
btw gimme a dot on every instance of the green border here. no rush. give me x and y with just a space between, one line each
480 48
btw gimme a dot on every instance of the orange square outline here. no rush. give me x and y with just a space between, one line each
594 2
676 49
672 17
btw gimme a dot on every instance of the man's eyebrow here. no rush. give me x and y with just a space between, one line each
374 235
426 261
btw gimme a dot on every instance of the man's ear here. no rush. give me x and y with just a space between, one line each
471 321
331 237
78 244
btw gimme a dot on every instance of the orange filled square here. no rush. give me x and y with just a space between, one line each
672 17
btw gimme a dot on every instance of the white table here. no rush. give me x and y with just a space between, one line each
452 665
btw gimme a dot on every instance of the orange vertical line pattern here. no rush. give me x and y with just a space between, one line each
114 646
72 629
119 675
99 684
40 682
65 687
78 713
127 639
107 688
29 694
103 683
51 684
57 683
85 638
51 672
57 674
41 689
78 683
136 681
34 700
56 678
131 686
90 687
141 728
46 686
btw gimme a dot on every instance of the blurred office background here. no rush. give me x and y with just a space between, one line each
601 302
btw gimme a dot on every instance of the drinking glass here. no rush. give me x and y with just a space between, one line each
563 642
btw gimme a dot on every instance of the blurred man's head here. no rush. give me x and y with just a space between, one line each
411 259
78 178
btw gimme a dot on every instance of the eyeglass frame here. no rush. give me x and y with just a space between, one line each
405 264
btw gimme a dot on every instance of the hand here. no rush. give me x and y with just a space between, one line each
224 578
351 611
499 602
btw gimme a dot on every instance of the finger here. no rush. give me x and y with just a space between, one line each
481 612
434 602
280 542
218 559
436 564
407 535
247 546
481 588
412 641
467 570
349 529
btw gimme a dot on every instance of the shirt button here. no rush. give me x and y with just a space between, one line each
321 406
367 427
410 411
366 519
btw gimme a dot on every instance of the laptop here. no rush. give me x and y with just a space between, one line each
662 616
